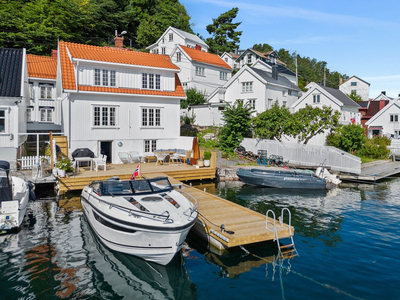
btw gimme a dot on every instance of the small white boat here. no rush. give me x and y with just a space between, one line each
15 193
146 218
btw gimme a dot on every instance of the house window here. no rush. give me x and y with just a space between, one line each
29 111
158 82
171 37
290 92
46 114
223 75
226 59
199 71
151 117
151 81
104 116
270 102
252 103
316 98
112 78
249 59
46 91
144 80
178 56
150 145
2 121
394 118
163 50
163 41
284 93
97 77
247 87
354 83
104 77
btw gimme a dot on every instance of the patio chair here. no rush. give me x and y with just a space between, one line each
176 157
124 157
134 156
100 162
161 157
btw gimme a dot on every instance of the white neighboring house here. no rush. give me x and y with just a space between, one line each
230 59
250 56
357 85
43 110
319 96
14 90
382 96
256 86
172 37
386 121
116 100
200 70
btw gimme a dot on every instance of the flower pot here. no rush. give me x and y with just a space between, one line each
206 162
200 163
61 173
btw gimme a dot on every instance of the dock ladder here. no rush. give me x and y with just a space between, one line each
290 249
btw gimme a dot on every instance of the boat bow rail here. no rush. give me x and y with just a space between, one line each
192 200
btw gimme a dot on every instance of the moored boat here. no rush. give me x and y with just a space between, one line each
146 218
15 193
281 178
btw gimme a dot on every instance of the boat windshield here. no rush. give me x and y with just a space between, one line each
5 186
130 187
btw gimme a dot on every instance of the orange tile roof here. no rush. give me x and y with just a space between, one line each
113 55
41 66
205 57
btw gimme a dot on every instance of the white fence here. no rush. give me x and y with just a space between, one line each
307 155
27 162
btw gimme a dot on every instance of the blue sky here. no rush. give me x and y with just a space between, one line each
354 37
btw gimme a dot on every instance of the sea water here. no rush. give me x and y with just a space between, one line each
347 240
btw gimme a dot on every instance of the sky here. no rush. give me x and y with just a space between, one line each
360 38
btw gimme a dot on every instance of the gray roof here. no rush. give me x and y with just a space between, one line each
282 69
10 72
190 36
267 76
342 97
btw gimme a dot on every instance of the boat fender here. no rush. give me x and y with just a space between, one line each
32 195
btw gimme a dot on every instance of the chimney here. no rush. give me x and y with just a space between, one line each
119 42
382 104
197 47
340 80
274 69
54 53
384 93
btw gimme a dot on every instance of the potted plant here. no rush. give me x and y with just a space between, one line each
207 156
64 165
200 162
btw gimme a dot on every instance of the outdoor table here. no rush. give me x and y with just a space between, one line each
78 160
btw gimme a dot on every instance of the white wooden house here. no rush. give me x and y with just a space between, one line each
200 70
382 96
250 56
230 59
13 93
116 100
172 37
43 110
357 85
386 121
253 85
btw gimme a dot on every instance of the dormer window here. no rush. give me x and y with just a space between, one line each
163 50
249 59
178 56
104 77
163 41
148 81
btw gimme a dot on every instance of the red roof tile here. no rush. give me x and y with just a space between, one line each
114 55
41 66
205 57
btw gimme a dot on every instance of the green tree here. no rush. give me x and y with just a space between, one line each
311 121
193 97
262 48
224 37
354 96
376 147
273 123
348 138
237 126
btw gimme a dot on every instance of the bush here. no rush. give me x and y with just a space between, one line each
376 148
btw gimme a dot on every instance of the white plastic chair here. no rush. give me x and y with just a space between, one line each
101 162
124 157
160 157
134 156
176 157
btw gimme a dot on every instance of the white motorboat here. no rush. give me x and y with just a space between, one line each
15 193
146 218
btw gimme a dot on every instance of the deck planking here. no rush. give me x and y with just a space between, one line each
374 171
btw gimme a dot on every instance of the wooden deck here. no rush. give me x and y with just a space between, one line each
374 171
181 172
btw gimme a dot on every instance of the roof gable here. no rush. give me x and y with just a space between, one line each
205 57
11 61
183 34
383 111
342 97
354 77
41 66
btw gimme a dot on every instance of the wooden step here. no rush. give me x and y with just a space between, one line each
287 246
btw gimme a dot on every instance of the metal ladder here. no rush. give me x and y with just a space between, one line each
290 249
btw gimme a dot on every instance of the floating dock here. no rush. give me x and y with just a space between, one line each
374 171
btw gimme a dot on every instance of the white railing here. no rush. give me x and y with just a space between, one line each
27 162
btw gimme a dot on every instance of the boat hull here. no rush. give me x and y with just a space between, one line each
280 179
152 243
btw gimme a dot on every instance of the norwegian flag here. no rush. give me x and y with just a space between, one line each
136 173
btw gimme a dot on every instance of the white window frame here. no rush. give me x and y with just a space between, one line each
46 114
200 71
163 51
151 117
317 98
48 91
105 77
151 81
178 56
353 83
29 113
3 120
31 92
290 92
252 103
249 59
247 87
170 37
104 116
393 118
149 145
223 75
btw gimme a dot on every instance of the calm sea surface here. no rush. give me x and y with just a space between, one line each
348 241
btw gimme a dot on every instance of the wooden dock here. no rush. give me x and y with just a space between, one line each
374 171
